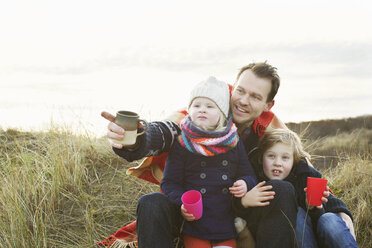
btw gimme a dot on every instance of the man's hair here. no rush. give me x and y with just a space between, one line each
264 70
285 136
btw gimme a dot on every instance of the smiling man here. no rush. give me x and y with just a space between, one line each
253 93
252 97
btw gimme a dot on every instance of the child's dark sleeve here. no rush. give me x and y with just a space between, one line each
158 139
305 171
334 205
245 169
173 177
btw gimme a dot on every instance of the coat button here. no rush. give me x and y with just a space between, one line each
225 162
224 177
203 175
225 191
203 190
203 164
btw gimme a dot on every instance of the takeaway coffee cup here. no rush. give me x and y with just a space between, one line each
315 189
192 201
129 121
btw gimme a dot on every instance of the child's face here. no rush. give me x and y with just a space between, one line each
278 161
204 113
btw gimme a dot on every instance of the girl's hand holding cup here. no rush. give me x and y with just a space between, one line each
317 192
186 215
192 207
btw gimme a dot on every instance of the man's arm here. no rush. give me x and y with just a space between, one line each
277 123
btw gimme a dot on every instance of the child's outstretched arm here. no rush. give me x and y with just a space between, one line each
259 196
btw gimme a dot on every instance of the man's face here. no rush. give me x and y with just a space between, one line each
249 98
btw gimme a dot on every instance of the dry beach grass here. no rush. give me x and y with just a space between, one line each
59 189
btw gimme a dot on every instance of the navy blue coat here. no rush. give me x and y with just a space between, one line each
212 176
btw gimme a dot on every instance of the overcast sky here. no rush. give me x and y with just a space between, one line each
72 59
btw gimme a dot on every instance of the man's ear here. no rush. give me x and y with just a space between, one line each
269 105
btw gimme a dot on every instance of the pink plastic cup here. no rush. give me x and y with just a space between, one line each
315 189
192 201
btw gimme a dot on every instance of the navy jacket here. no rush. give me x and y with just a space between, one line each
212 176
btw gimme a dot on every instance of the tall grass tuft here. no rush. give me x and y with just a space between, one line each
351 182
62 190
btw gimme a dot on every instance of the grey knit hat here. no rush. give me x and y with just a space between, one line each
215 90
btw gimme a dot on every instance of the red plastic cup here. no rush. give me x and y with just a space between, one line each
315 189
192 201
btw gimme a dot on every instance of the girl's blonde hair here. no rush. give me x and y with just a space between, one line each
222 122
285 136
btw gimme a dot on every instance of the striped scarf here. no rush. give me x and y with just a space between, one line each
207 143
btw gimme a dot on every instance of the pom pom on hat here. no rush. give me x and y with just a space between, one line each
215 90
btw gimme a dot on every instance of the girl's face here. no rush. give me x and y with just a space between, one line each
278 161
204 113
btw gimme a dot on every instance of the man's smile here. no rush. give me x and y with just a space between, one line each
241 110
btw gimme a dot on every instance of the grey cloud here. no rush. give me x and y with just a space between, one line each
340 59
350 59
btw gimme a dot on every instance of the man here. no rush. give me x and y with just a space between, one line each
252 98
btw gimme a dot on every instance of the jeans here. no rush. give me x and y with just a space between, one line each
158 221
304 230
333 232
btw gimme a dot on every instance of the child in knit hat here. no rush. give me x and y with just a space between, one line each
209 157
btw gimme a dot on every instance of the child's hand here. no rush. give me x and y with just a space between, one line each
186 216
258 196
324 199
239 188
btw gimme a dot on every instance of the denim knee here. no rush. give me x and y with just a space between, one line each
328 225
333 232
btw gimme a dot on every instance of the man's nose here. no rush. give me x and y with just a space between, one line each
244 100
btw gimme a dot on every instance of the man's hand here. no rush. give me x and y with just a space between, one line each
114 132
239 188
259 196
186 216
348 222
